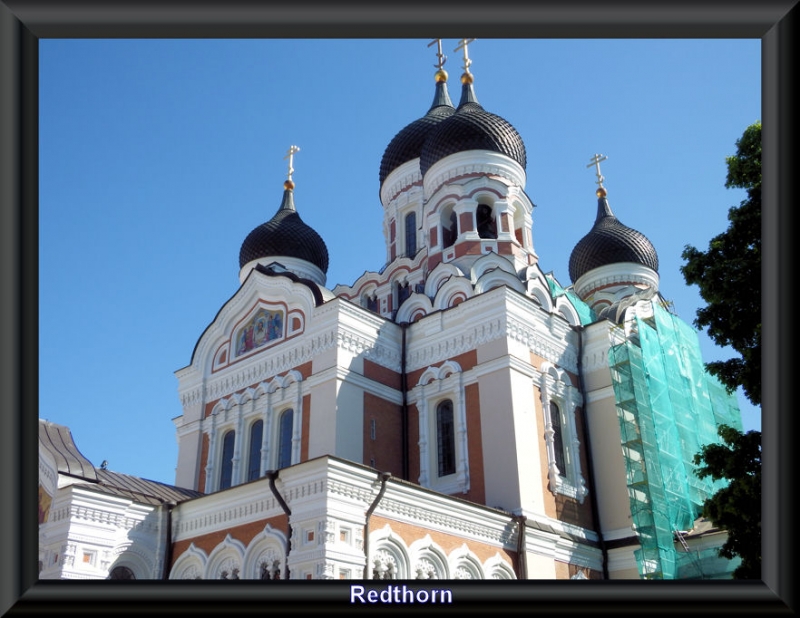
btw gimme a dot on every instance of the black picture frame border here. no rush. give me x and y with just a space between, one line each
23 23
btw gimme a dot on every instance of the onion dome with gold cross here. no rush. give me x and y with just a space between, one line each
407 144
609 241
286 239
471 127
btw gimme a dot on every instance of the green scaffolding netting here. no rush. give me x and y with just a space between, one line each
668 407
585 312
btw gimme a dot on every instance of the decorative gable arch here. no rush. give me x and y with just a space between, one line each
497 568
412 307
564 308
441 273
453 291
540 293
497 278
428 560
464 564
265 557
227 560
190 565
491 262
389 557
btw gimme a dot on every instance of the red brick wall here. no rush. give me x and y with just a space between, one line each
382 375
201 478
413 443
447 542
477 492
386 448
244 533
306 422
466 361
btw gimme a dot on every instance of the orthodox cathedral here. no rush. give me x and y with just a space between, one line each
457 414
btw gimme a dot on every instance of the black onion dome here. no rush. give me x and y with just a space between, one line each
407 144
610 242
472 128
285 234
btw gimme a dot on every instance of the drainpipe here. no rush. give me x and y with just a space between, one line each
522 569
587 442
272 475
404 409
168 542
383 477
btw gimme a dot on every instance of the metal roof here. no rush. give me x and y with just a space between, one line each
57 441
141 490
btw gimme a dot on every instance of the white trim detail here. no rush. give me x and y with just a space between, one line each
555 386
438 384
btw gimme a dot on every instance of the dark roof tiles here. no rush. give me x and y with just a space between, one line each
472 128
285 234
407 144
610 242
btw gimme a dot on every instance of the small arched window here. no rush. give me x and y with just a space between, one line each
254 457
558 438
411 234
285 427
445 438
226 466
487 226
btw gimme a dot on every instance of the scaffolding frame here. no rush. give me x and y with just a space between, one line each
668 407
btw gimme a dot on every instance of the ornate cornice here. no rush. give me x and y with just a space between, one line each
543 334
468 164
210 517
281 359
74 512
404 178
446 521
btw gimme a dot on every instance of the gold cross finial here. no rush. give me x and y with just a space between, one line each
290 155
596 162
442 58
462 44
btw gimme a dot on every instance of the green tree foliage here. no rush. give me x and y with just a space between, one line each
737 507
729 275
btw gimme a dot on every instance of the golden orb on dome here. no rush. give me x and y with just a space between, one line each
440 76
601 192
467 78
288 185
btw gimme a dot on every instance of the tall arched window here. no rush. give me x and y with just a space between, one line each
226 466
558 438
285 438
449 229
445 438
254 457
487 226
411 234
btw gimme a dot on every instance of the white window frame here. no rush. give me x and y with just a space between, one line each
555 386
238 412
435 385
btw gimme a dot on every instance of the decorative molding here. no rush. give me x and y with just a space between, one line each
279 360
404 178
459 166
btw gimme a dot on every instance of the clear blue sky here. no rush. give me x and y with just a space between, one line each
157 158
